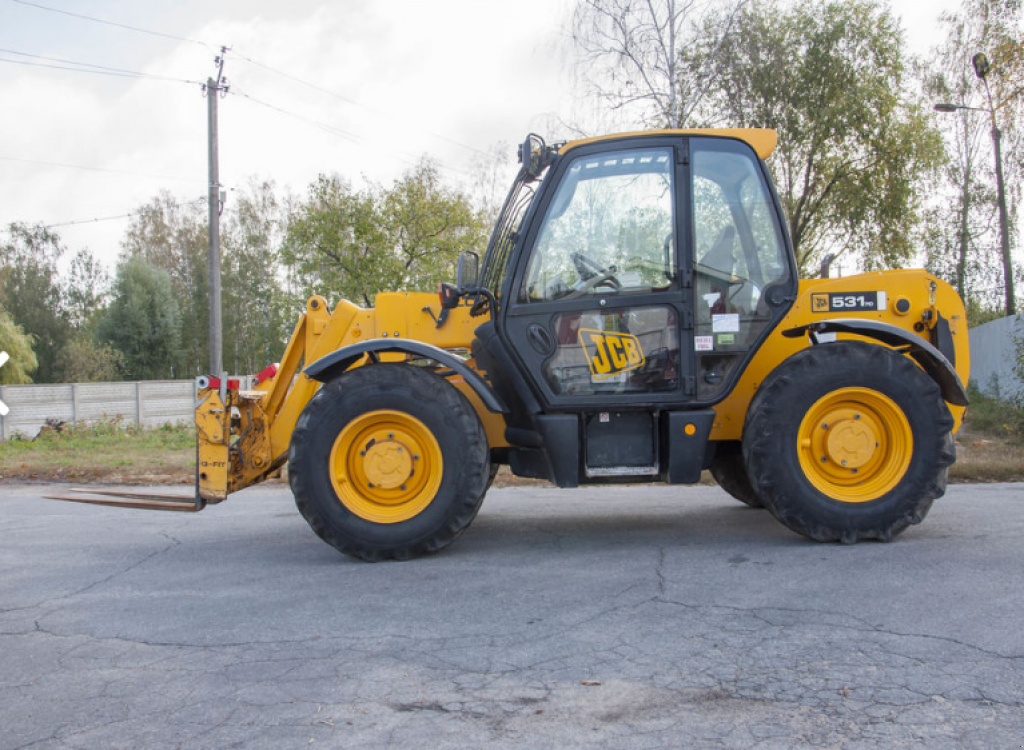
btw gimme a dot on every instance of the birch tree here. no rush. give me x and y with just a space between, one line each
634 55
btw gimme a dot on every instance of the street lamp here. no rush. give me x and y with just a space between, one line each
981 69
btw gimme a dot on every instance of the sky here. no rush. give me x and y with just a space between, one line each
317 86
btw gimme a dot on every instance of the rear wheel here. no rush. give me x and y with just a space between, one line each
848 441
730 471
389 462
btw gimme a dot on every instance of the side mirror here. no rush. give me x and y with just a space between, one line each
534 155
468 273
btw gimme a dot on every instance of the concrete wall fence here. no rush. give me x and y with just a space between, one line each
993 351
149 403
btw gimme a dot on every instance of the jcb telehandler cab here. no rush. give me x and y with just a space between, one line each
637 316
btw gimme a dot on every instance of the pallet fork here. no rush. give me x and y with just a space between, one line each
138 500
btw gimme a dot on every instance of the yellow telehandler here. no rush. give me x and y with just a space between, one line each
637 316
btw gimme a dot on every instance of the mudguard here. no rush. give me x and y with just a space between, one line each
932 361
334 364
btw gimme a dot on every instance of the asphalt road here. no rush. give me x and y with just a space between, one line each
612 618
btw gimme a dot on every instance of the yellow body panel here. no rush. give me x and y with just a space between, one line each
212 435
260 434
926 294
762 140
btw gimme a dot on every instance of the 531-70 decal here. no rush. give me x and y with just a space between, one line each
832 302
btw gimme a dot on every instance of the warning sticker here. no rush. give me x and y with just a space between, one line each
726 339
704 343
728 323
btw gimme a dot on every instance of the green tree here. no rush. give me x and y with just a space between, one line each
82 360
85 289
428 224
359 243
964 240
142 321
30 290
829 78
257 316
334 243
174 238
18 345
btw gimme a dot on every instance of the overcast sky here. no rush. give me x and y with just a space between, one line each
446 77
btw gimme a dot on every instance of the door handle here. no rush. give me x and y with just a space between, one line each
540 339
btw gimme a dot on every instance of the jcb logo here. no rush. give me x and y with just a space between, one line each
610 353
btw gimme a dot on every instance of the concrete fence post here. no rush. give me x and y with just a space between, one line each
138 403
5 422
74 404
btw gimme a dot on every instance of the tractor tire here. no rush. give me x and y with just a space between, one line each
388 461
848 441
730 471
491 474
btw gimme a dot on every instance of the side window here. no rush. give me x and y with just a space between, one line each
738 252
628 350
608 229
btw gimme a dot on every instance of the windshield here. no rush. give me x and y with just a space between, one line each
506 233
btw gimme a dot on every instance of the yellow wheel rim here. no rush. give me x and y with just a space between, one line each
386 466
855 445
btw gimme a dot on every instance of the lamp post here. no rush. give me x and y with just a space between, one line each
981 69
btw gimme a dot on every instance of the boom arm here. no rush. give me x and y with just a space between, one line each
244 436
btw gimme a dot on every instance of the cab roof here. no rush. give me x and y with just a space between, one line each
762 140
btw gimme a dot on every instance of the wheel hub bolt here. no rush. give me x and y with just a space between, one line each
403 487
824 425
824 459
391 436
415 457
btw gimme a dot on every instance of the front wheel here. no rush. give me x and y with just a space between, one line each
848 441
389 461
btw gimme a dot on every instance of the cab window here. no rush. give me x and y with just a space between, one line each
738 252
608 230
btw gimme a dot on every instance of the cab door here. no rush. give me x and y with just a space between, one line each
597 310
744 280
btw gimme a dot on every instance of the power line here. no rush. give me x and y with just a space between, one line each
323 126
400 156
113 23
85 67
94 69
97 169
119 216
355 103
68 62
270 68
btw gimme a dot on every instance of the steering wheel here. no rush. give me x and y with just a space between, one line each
586 267
592 274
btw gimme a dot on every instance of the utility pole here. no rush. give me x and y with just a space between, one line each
215 198
1004 228
981 69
